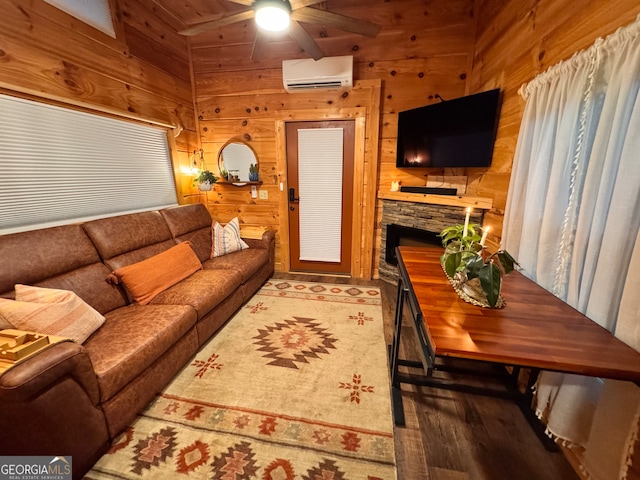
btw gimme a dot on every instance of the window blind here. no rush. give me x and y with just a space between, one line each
93 12
320 185
60 166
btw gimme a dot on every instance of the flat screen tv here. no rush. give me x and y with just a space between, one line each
452 133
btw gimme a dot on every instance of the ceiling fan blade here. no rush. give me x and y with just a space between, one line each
303 3
248 3
294 3
259 46
220 22
331 19
305 41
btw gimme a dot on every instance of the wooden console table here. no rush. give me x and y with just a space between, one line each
534 330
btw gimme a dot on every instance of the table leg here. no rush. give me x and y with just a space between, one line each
394 352
524 402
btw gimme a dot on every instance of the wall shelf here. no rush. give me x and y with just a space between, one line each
238 184
450 200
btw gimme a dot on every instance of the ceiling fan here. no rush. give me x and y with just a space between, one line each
296 11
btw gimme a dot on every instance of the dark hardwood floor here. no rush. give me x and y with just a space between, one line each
455 436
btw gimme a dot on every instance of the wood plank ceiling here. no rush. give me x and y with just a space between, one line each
197 11
311 20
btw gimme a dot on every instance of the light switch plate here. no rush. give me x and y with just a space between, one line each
254 191
264 194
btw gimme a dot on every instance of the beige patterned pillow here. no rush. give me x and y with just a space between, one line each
4 325
50 312
226 239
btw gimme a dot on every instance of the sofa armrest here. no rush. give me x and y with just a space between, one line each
49 404
267 241
39 372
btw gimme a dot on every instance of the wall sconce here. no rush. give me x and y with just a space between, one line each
194 161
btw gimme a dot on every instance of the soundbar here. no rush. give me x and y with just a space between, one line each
430 190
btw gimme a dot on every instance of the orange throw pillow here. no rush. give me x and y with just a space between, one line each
146 279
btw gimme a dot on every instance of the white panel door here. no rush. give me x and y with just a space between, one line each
320 190
320 197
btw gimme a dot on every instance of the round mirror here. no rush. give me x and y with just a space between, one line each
239 161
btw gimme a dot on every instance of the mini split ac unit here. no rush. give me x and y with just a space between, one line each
309 74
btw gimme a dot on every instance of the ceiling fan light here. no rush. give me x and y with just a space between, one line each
272 16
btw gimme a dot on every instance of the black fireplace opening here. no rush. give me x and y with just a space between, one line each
398 235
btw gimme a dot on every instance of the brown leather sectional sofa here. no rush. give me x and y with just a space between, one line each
73 399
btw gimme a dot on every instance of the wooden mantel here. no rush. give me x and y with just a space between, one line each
450 200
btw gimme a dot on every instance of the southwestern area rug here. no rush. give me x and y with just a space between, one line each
295 386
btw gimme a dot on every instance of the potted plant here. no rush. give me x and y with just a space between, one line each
224 174
471 269
253 172
205 180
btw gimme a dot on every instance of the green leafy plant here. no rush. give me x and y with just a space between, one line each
466 256
224 174
204 176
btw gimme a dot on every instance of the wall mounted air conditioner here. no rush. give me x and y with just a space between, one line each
309 74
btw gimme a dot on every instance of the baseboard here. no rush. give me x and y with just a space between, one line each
318 274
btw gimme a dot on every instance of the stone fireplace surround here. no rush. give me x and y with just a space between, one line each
419 215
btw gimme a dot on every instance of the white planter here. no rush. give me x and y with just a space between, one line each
205 186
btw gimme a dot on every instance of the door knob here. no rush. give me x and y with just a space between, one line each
292 195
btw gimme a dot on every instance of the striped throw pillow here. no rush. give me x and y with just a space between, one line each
226 240
51 312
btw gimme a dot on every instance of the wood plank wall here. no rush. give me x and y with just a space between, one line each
423 49
515 41
143 75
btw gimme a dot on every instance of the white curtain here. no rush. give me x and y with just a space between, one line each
572 222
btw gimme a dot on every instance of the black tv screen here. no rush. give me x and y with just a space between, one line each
452 133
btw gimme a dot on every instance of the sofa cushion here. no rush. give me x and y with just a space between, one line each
146 279
88 282
191 223
58 257
131 339
226 239
128 239
246 262
51 312
114 236
204 290
29 257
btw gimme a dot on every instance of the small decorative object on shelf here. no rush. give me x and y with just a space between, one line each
475 275
234 176
253 172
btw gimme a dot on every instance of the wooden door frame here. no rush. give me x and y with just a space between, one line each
345 237
365 172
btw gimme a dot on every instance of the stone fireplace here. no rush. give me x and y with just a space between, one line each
407 222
